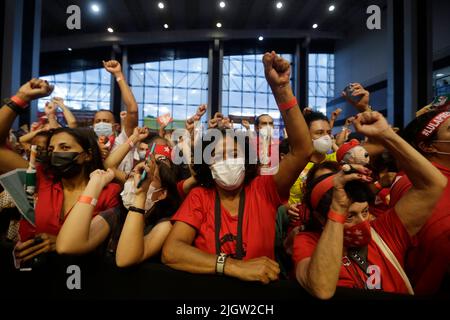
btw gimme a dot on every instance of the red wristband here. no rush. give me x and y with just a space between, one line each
19 101
378 185
130 143
288 105
336 217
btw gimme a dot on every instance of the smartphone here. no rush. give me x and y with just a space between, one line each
349 91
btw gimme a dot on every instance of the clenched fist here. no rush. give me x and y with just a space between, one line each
276 69
113 67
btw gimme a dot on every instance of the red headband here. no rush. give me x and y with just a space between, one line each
320 189
433 125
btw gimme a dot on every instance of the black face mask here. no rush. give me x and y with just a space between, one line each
64 164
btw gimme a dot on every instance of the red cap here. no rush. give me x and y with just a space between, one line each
346 147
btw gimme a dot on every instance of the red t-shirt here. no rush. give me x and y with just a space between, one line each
429 258
394 234
49 205
258 227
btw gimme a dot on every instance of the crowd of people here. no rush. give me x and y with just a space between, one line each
367 208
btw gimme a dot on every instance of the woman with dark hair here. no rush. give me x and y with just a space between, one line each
145 230
227 225
429 259
73 156
349 249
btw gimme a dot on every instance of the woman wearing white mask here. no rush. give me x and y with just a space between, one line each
227 226
149 210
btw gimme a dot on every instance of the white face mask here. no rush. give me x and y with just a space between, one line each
323 144
149 203
142 155
266 131
103 129
229 174
129 194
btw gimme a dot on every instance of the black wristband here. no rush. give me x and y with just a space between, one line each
12 105
138 210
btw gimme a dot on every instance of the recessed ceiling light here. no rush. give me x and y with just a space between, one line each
331 8
110 30
166 26
161 5
95 8
279 5
315 25
260 38
70 49
218 25
440 75
222 4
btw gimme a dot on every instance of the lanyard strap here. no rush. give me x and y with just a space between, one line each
218 222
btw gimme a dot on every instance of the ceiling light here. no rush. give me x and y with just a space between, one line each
331 8
279 5
260 38
218 25
70 49
95 8
110 30
440 75
222 4
161 5
166 26
315 25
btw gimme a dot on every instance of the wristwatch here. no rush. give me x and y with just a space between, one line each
220 263
12 105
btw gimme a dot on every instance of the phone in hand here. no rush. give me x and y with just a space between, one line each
144 174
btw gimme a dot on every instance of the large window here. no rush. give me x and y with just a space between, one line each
321 80
245 91
177 87
81 90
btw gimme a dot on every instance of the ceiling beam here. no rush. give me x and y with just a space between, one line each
135 38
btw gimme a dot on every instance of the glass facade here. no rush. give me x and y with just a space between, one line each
177 87
321 80
81 90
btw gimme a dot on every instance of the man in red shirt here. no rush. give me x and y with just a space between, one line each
429 258
346 248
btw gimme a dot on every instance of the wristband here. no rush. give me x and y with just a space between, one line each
220 263
19 101
88 200
119 79
288 105
138 210
130 143
13 106
336 217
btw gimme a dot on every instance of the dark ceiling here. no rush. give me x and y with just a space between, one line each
144 16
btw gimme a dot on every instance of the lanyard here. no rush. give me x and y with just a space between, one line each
218 221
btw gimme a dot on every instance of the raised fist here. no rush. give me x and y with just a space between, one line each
112 66
276 69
